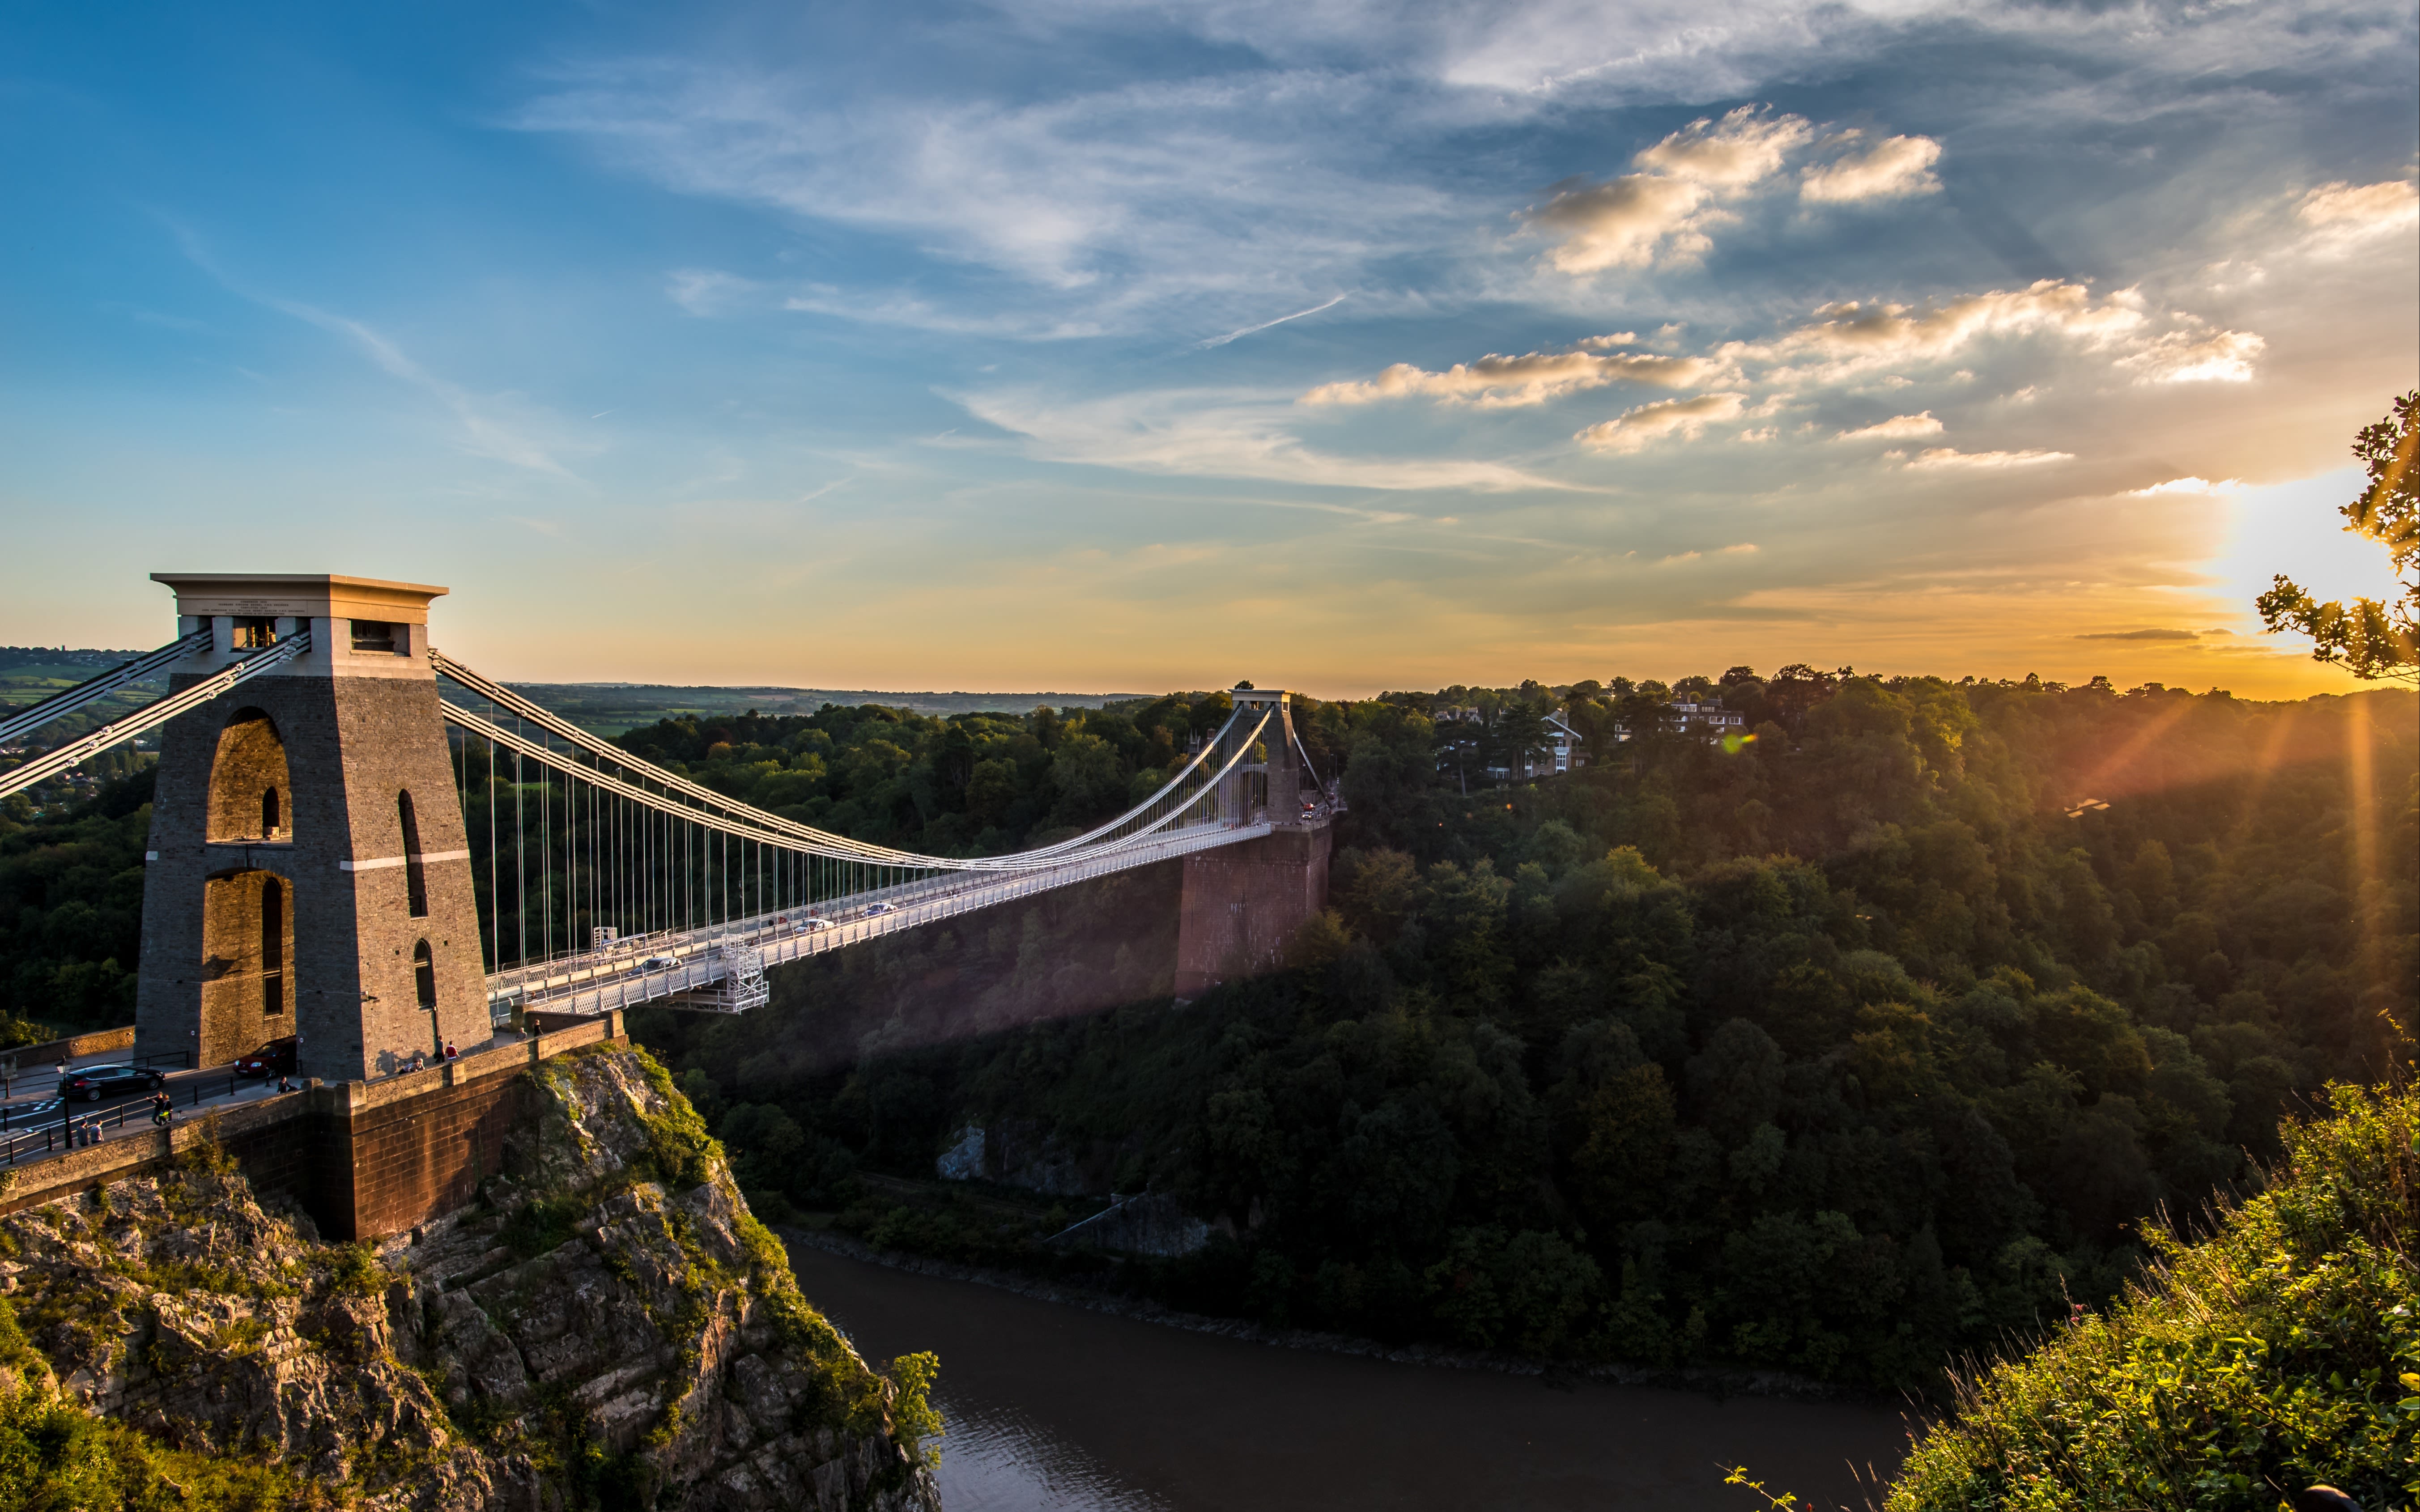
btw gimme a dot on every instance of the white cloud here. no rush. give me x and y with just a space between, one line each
2342 215
1496 382
1669 417
1628 222
1741 150
2190 357
1218 433
2192 486
1892 168
1946 456
1897 428
1852 338
1663 214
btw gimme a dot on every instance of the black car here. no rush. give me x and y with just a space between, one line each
268 1060
93 1083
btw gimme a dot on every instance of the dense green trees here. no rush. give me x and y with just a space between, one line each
71 912
1835 1052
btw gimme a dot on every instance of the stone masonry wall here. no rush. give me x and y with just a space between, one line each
351 745
1242 904
365 1160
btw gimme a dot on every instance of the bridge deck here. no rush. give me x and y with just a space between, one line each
720 967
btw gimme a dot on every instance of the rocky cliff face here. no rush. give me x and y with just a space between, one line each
607 1329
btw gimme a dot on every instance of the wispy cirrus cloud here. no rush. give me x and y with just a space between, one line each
1949 456
2345 216
1897 428
1221 433
1105 203
1495 382
2152 634
501 427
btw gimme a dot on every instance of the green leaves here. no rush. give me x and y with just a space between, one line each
2258 1358
2370 640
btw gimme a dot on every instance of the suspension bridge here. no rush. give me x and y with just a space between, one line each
365 843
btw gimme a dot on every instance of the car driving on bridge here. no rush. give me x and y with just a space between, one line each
872 909
93 1083
271 1059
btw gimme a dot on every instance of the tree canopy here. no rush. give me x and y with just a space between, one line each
2368 638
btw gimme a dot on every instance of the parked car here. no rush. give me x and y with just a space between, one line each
93 1083
275 1059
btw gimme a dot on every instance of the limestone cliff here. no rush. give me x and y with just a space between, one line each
607 1328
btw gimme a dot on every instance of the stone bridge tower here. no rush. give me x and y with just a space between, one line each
1241 904
307 871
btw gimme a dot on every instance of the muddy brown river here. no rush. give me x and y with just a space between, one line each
1052 1407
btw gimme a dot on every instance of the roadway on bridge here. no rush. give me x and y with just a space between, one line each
31 1122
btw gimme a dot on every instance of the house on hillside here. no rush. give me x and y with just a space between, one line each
1707 718
1563 747
1704 717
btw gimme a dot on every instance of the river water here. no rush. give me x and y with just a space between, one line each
1054 1408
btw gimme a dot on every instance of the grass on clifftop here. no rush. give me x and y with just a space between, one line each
2282 1351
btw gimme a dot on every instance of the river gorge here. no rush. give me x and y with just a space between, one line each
1054 1408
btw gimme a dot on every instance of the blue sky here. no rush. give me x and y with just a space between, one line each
1093 346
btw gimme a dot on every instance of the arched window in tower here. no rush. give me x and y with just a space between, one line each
272 947
415 879
424 975
249 782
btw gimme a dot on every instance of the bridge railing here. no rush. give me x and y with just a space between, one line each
598 989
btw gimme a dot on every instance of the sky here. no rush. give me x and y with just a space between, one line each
1330 343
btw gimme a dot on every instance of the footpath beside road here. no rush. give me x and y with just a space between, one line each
35 1124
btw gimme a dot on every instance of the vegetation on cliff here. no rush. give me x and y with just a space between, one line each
607 1329
2280 1351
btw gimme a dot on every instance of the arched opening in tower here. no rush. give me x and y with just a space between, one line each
272 947
415 876
250 798
424 986
247 943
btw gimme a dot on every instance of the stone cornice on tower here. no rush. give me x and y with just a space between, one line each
300 595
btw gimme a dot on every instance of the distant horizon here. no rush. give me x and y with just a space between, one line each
868 695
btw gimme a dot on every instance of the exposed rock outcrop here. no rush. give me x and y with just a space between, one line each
608 1326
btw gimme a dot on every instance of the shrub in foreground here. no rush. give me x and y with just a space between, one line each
2280 1351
